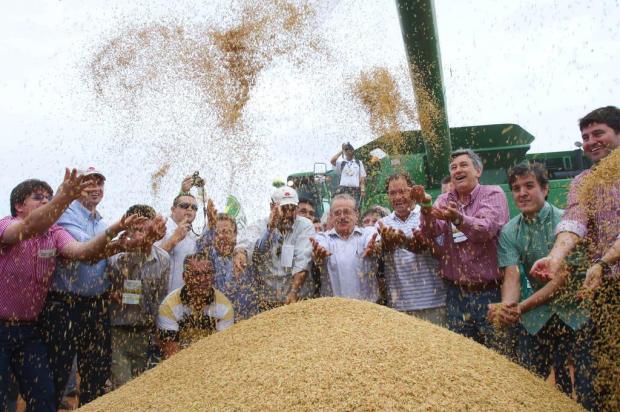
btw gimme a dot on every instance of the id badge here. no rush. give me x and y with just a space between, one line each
132 292
457 235
286 256
47 253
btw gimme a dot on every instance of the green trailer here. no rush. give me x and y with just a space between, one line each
425 153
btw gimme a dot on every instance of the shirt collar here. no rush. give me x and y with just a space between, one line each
333 233
83 212
542 215
454 196
415 211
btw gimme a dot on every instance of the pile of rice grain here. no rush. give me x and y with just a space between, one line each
335 354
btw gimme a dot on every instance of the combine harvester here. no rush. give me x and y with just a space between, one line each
425 153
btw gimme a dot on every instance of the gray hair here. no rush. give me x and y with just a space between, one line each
475 159
345 196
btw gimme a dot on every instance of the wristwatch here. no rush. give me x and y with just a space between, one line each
604 265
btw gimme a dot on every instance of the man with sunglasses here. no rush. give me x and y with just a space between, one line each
283 253
180 240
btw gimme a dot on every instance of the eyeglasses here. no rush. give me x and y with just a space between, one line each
188 206
343 212
38 197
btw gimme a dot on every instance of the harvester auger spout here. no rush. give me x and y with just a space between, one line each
417 22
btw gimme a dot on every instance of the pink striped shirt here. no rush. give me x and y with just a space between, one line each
470 257
26 271
598 222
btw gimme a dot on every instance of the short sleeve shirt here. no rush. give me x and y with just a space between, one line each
178 323
521 243
350 172
26 271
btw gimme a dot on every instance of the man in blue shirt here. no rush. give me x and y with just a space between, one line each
75 320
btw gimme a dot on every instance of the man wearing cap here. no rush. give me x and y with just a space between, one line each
283 253
78 299
352 173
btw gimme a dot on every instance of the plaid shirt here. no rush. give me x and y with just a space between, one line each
471 260
601 225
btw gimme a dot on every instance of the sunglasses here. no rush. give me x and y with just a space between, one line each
187 206
38 197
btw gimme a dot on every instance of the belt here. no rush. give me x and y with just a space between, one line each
72 297
5 322
477 287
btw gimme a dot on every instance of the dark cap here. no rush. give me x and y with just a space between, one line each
347 146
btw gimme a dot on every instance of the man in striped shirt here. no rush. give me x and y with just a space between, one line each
412 283
467 220
194 310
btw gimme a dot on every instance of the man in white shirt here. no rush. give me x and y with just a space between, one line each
180 240
283 253
352 173
344 254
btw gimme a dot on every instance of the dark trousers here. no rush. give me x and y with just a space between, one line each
467 313
554 345
76 325
23 354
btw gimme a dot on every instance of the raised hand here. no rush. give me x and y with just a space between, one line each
319 253
373 248
419 195
211 214
274 217
546 268
72 185
240 262
594 279
449 212
391 238
186 184
156 229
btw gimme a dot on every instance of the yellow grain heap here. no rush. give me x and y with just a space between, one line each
335 354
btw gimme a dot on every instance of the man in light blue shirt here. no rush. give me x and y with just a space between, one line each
342 254
76 320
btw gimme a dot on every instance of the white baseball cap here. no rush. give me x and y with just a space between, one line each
89 171
285 196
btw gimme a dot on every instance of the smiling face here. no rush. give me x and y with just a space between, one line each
306 210
93 194
344 216
33 201
599 140
399 194
528 195
463 174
